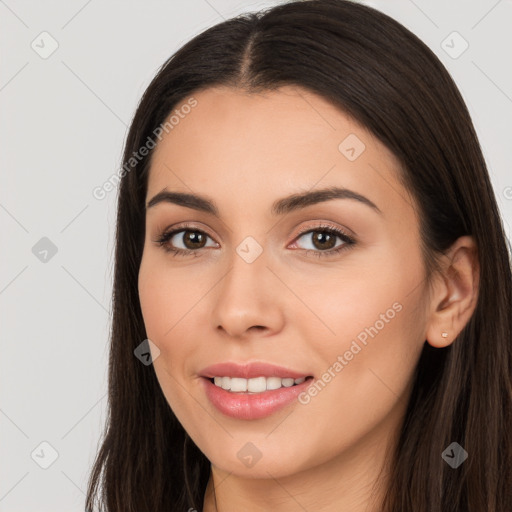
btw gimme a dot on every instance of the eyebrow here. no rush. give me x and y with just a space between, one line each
280 207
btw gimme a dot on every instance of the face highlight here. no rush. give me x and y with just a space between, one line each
331 286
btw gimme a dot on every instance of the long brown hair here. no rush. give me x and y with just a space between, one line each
382 75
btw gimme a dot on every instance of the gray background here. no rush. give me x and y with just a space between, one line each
63 122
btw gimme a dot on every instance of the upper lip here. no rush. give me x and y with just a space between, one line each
250 370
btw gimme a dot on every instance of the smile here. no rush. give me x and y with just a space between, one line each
253 405
255 385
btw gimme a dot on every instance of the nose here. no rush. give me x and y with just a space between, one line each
248 299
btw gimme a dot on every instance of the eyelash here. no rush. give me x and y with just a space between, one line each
164 238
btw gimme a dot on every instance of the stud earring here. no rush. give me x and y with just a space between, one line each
444 334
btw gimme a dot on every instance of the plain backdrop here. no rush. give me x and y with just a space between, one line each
64 117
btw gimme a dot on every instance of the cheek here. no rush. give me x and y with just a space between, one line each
166 296
367 371
164 306
349 302
373 319
170 300
161 312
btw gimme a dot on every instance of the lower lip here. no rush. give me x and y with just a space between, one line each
252 406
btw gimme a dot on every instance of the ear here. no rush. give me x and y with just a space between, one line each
455 293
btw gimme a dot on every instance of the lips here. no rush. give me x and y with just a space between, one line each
247 405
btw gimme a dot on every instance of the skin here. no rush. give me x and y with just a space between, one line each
244 151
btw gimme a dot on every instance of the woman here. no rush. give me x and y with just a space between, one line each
310 254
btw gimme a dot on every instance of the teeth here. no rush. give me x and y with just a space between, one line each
238 384
226 383
274 383
254 385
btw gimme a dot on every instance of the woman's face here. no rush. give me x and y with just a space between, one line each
267 279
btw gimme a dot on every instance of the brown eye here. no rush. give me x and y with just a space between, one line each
193 239
323 240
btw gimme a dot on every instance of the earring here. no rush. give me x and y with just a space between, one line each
444 334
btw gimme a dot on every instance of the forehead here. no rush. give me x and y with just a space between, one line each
238 146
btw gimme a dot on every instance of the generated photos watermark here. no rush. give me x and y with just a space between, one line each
100 192
343 360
